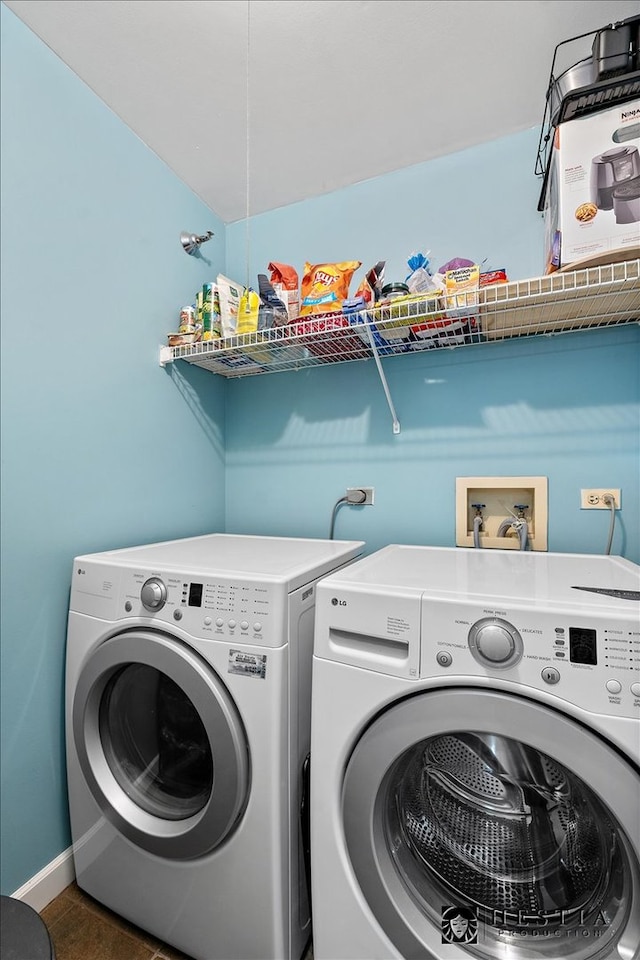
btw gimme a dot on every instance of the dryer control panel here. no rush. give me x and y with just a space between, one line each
592 660
225 607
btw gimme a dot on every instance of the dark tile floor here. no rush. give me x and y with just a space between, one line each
82 929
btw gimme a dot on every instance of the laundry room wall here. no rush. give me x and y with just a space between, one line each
101 448
562 407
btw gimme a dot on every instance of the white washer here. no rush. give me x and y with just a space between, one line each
476 744
188 724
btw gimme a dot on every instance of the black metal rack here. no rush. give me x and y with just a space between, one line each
615 67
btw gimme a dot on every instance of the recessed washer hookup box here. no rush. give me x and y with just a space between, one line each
593 198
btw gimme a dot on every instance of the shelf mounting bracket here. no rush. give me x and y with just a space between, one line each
383 380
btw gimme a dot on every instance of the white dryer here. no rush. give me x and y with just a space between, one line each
188 724
475 785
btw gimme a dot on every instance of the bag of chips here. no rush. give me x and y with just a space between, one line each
325 286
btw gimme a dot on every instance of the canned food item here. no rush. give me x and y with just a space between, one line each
211 329
181 339
392 290
187 320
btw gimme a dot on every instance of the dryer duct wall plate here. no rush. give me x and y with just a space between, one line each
501 498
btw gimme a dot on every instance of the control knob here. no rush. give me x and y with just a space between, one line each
495 642
153 594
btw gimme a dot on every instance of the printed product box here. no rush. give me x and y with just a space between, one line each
592 202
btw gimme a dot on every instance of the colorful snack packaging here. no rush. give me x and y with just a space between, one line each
273 310
229 293
461 285
209 301
284 274
248 307
325 286
490 277
370 288
285 284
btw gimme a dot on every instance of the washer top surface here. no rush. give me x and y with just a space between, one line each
586 580
283 559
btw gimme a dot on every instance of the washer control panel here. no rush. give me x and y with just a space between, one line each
590 660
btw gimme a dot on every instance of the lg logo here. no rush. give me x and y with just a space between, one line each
338 603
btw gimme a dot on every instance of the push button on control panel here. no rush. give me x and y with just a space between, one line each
614 686
550 675
444 659
635 689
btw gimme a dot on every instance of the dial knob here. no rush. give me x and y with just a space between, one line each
153 594
495 642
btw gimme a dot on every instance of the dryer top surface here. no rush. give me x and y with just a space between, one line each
286 560
587 580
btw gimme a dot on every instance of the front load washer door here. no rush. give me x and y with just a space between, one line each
491 822
161 744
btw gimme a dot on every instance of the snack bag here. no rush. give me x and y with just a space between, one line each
489 277
285 284
370 288
273 310
325 286
462 285
419 280
229 293
247 320
284 274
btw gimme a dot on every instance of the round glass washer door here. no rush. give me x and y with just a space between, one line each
161 744
494 803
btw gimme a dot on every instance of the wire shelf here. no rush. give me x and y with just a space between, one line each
601 296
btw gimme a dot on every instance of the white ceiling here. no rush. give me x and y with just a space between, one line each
336 91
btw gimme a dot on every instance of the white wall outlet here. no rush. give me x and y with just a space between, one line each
594 498
368 494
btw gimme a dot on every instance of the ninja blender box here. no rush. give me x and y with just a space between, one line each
592 203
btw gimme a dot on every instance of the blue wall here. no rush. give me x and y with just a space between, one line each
100 447
564 407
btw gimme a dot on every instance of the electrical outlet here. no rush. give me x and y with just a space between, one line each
593 499
368 493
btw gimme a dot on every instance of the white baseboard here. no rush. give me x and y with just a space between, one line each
48 882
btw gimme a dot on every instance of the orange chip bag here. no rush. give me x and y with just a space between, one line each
284 274
325 286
